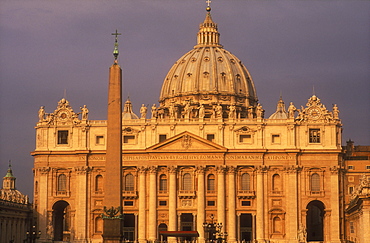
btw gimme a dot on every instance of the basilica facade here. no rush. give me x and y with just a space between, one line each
205 154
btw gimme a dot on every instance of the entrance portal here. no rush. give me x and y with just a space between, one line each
61 221
129 227
187 223
246 223
315 221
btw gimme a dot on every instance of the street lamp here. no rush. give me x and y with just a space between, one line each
33 235
215 235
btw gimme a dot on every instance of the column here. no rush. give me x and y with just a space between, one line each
260 229
231 229
152 222
201 204
172 214
221 196
142 206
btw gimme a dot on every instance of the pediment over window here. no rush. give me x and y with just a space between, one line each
188 142
244 130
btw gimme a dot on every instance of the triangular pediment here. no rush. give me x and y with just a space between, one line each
186 142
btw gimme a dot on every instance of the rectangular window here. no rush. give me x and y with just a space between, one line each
162 137
368 167
314 135
128 203
162 203
350 189
352 227
129 139
99 140
211 137
211 203
245 138
246 203
275 138
63 137
351 167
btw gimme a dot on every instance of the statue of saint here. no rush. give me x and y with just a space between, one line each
232 111
84 112
259 111
291 110
42 114
302 234
143 111
218 111
171 111
154 111
201 111
250 112
187 110
161 113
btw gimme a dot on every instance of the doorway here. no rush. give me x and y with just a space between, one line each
246 228
315 221
61 221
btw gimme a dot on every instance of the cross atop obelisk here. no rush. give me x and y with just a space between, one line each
115 51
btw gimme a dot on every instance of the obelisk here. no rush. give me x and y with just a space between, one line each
112 230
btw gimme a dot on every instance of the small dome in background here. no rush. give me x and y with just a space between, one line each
280 112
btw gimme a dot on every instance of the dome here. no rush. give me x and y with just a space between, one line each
127 113
208 75
280 112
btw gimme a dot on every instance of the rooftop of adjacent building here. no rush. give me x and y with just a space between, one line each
358 152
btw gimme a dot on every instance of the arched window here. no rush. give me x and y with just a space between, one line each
99 183
276 182
163 183
129 182
98 225
315 182
245 182
211 182
187 184
162 227
62 183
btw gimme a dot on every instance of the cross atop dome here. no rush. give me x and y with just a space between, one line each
208 5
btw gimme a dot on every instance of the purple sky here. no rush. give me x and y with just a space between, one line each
288 47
